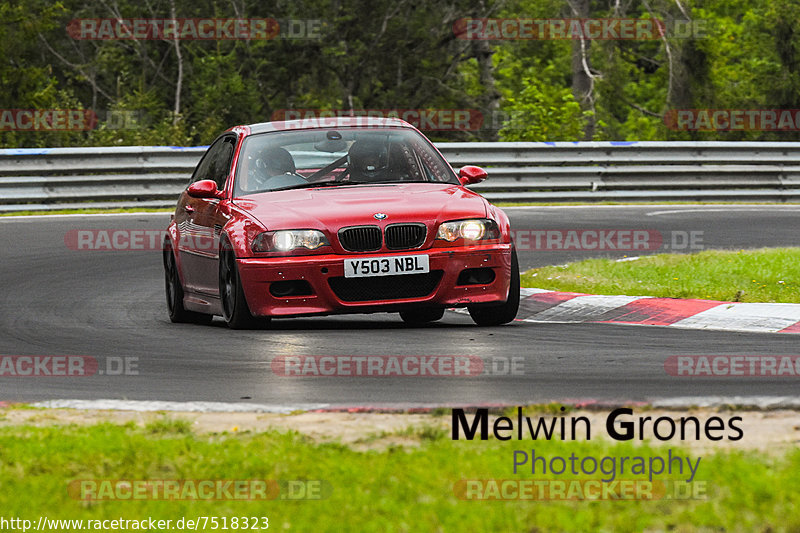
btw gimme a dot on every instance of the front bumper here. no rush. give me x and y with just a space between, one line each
258 274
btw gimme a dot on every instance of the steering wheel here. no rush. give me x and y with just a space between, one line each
262 182
283 180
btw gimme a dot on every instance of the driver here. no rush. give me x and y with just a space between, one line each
276 161
274 168
368 160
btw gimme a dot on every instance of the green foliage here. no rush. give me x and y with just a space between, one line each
543 111
382 54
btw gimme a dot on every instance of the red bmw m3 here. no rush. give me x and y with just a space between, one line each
331 216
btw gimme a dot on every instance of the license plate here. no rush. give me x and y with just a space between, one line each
386 266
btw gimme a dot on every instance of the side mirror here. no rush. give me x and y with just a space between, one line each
471 174
203 189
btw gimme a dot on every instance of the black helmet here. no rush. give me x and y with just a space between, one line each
367 159
276 161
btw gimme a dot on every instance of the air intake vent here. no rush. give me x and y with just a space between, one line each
404 236
385 287
360 238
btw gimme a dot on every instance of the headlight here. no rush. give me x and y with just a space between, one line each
471 230
288 240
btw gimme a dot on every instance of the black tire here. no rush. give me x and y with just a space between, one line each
235 310
174 291
496 315
422 316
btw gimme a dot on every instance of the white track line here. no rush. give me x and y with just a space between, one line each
680 402
758 402
13 218
200 407
742 209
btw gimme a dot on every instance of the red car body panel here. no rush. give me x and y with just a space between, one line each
200 226
258 274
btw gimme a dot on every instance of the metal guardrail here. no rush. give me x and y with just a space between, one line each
60 178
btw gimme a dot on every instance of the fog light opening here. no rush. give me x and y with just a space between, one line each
476 276
299 287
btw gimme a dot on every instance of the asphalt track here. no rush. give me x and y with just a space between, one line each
57 301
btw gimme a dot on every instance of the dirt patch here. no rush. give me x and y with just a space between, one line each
765 431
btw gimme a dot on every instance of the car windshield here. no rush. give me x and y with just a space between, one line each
329 157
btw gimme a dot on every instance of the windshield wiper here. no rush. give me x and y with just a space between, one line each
332 183
404 181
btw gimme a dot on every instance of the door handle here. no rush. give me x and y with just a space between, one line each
189 208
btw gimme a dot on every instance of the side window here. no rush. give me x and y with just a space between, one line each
217 162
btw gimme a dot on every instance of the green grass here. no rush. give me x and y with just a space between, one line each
168 426
395 489
765 275
87 211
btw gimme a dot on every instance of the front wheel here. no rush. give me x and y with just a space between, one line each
234 305
496 315
421 316
174 290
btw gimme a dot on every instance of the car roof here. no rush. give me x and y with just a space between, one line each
326 122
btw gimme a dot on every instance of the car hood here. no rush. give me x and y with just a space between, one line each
335 207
